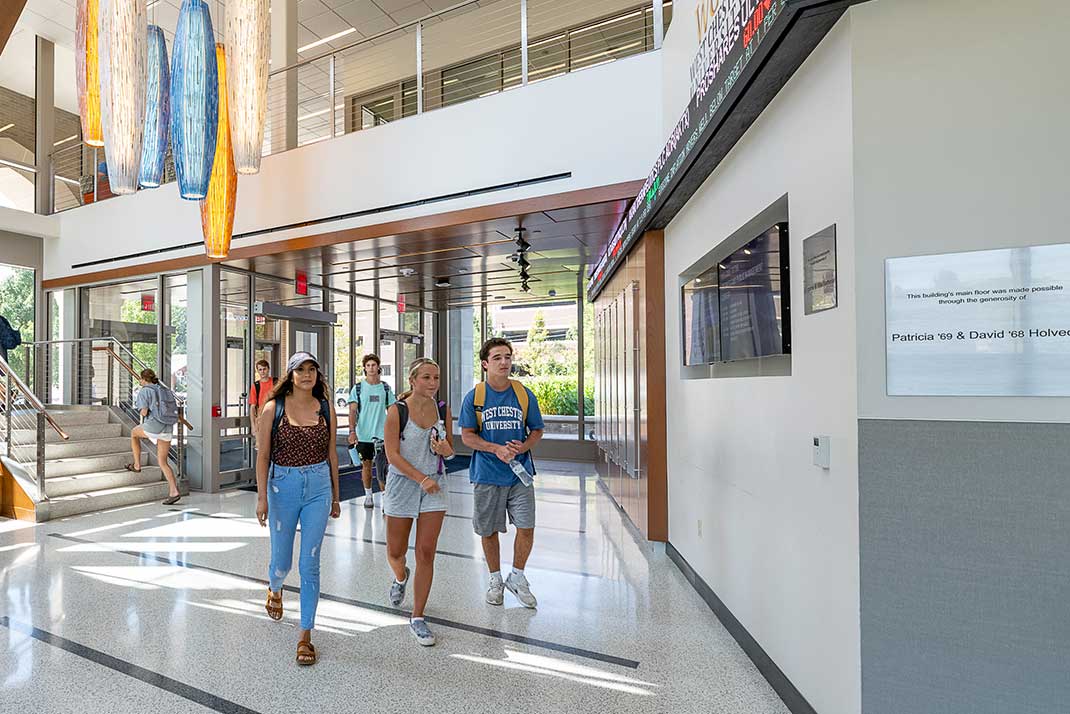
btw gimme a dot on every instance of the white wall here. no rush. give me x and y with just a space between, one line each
589 123
779 537
960 144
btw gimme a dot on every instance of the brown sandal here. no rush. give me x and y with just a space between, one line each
274 605
306 653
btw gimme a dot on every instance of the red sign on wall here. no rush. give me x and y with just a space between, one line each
301 283
148 302
401 303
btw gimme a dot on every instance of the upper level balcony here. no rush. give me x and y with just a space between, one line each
349 67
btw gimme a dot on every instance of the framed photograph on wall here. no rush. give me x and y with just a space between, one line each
819 271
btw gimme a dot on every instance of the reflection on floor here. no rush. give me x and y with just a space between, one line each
161 608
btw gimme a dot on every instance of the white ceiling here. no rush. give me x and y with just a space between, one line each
54 20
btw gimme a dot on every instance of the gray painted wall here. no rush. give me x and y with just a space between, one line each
965 567
20 250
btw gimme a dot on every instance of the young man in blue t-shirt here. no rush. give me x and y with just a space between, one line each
498 435
368 401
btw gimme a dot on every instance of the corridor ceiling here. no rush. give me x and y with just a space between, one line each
474 259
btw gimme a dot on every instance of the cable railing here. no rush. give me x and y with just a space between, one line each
24 426
99 372
473 49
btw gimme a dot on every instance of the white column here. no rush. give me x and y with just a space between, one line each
282 100
45 121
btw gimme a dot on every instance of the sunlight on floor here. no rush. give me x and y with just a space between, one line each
205 528
537 664
7 525
101 529
153 577
153 547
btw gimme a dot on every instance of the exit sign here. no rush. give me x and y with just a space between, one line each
301 283
148 302
401 303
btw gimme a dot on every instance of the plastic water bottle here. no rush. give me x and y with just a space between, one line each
521 472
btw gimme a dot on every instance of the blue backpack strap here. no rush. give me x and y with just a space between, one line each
279 409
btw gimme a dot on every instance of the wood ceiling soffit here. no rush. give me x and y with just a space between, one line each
498 211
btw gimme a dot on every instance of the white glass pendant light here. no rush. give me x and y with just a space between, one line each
248 35
123 62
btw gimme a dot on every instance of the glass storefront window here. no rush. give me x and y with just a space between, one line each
17 304
175 372
545 356
343 355
363 334
412 322
126 312
464 335
234 315
388 316
430 322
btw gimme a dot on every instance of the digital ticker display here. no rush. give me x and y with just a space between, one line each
734 33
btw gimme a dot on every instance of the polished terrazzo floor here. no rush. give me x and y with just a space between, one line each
157 608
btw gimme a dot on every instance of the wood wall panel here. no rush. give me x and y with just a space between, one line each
644 498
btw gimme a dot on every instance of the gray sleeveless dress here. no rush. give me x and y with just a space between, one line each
404 497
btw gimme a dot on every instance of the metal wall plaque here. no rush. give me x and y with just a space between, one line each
819 271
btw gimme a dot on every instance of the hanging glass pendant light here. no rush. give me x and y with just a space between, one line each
157 111
123 40
194 99
217 208
248 34
87 60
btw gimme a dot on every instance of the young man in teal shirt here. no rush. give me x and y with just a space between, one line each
501 422
368 401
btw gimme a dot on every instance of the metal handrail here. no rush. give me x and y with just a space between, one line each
377 36
29 396
135 375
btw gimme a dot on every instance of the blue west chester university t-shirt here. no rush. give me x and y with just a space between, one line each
502 419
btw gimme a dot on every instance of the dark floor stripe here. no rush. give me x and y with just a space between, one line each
372 541
186 691
544 644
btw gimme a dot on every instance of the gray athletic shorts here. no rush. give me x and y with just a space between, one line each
405 499
493 502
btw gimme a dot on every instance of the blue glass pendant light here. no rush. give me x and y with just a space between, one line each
157 111
194 100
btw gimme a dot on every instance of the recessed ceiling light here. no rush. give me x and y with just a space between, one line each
325 40
442 283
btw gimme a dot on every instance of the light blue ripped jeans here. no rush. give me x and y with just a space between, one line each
299 494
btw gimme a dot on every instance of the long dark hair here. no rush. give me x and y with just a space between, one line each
285 387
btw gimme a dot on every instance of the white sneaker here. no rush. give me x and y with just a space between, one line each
496 592
518 585
422 633
369 501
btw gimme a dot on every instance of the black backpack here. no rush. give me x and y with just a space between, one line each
403 416
10 338
325 412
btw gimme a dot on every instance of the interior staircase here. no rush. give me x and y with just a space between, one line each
85 473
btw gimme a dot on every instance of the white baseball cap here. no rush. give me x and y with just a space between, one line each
299 358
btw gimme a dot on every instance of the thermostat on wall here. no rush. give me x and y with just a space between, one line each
822 457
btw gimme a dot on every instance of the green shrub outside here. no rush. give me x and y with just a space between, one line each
558 395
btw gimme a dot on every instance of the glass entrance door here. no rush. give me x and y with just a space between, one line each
311 338
398 350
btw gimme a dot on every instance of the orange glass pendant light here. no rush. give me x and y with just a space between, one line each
217 208
87 59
